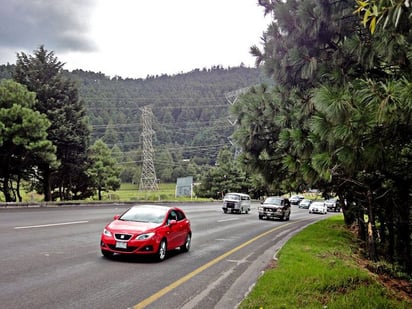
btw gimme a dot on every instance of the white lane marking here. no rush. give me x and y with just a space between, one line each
48 225
231 219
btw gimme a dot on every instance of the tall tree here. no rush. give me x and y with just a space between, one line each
23 138
58 98
226 176
341 113
103 171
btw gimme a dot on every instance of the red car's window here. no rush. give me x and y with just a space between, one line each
180 215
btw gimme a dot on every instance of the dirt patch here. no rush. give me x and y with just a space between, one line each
272 264
399 288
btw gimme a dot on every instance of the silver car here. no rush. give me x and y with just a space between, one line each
305 203
333 204
295 199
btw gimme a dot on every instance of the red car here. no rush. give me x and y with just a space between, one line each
147 229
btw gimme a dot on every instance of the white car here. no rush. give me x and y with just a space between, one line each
318 207
236 202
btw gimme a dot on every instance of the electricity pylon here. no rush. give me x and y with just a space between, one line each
232 97
148 180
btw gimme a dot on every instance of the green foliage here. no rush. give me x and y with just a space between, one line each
226 176
58 98
103 172
387 13
190 115
23 138
190 111
338 118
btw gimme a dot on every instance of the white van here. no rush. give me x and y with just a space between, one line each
236 202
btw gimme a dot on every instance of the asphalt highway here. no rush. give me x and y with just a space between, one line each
50 258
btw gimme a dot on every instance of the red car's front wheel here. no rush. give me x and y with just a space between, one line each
161 252
186 245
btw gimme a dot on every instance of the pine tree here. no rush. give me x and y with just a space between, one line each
341 111
23 138
58 98
104 173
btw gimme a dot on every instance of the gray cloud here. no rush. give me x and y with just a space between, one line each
61 25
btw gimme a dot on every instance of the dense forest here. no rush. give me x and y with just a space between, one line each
191 114
190 109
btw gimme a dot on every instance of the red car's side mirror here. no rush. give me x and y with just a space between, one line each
116 217
171 222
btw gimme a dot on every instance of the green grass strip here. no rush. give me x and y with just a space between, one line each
318 268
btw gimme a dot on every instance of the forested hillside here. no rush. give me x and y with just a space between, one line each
190 109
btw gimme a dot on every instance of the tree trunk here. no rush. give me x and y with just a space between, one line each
371 229
403 233
46 184
6 189
18 189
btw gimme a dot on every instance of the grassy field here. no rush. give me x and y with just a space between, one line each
318 268
130 192
127 192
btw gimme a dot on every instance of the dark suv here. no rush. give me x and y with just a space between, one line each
275 207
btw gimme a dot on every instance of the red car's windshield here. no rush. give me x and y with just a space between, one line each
145 214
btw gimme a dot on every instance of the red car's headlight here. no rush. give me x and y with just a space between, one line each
107 233
144 236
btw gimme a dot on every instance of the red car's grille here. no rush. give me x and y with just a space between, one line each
122 236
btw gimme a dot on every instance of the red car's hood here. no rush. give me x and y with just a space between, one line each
131 227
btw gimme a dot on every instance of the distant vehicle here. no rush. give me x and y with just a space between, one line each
275 207
236 203
145 230
333 204
318 207
295 199
305 203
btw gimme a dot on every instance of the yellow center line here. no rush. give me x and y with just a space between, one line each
182 280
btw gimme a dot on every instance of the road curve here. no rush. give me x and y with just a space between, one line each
50 259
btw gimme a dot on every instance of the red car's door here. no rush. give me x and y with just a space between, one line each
173 231
184 226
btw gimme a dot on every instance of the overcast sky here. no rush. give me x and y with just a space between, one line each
134 38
